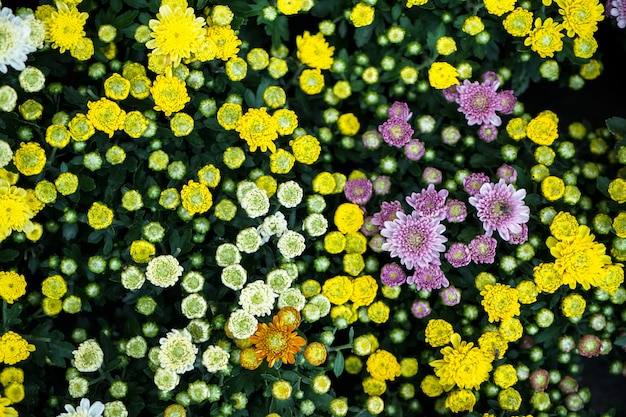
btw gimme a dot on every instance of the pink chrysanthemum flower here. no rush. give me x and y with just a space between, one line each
501 208
388 211
478 102
617 10
487 132
474 181
414 150
507 173
458 255
451 93
519 238
428 278
490 78
505 101
358 191
456 211
421 309
392 275
401 110
450 296
416 240
483 249
396 132
429 202
381 185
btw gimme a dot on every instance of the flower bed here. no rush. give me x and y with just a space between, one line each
299 207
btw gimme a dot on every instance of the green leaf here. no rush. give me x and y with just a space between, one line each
7 255
621 341
70 230
617 126
339 364
74 97
363 35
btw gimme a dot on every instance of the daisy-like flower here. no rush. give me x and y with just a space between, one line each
163 271
617 10
277 341
458 255
273 225
178 352
501 208
483 249
456 211
84 409
14 47
400 109
388 211
487 132
176 33
474 181
358 191
392 275
65 27
429 202
416 240
396 131
478 102
428 278
257 298
314 51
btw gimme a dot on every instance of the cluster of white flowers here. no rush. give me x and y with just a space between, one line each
21 35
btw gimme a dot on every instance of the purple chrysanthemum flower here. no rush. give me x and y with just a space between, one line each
372 139
474 181
451 93
369 228
450 296
428 278
488 133
429 202
456 211
416 240
617 10
483 249
421 309
490 78
501 208
381 185
478 103
358 190
396 131
388 211
458 255
519 238
414 150
505 101
432 175
392 275
401 110
507 173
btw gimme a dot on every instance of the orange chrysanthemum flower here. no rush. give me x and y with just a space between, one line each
277 340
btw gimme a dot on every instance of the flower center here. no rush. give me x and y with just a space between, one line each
276 342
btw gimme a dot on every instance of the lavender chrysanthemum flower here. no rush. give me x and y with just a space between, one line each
505 101
421 309
519 238
617 9
396 131
450 296
376 243
414 150
371 139
381 185
478 103
507 173
416 240
488 132
483 249
369 228
474 181
450 135
456 211
429 202
358 191
388 211
401 110
501 208
392 275
428 278
490 78
432 175
458 255
451 93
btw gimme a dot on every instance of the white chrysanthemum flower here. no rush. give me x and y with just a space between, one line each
193 281
14 45
133 278
115 409
89 356
255 202
315 224
243 188
249 240
227 254
322 302
163 271
273 225
278 280
291 297
289 194
234 276
32 79
8 98
200 330
193 306
291 244
257 298
6 154
84 409
178 353
215 359
241 324
166 379
37 30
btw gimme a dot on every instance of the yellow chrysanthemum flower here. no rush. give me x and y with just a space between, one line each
545 38
105 115
258 129
196 197
314 51
438 332
16 212
383 365
519 22
225 40
499 7
362 15
348 218
99 216
442 75
169 94
14 348
176 33
500 301
289 7
580 17
543 129
12 286
29 158
64 27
